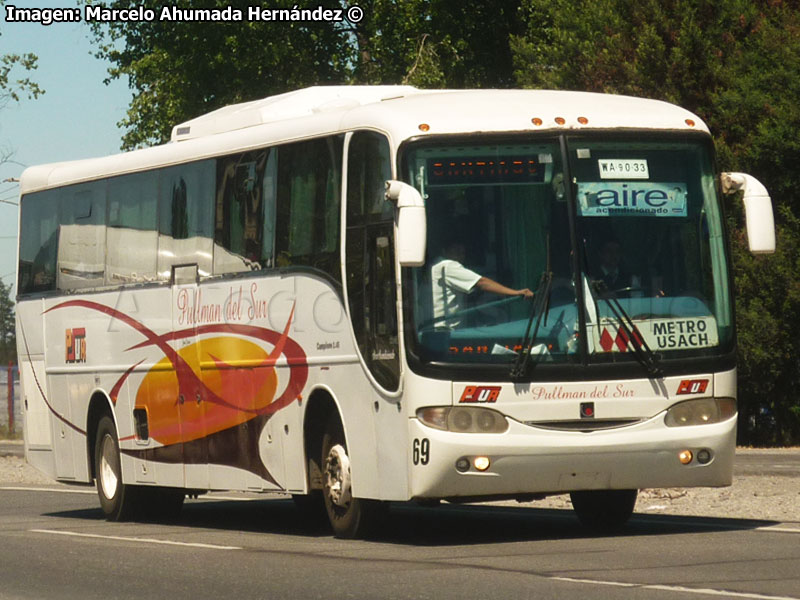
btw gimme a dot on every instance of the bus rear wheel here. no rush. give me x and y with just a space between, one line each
118 500
604 510
349 517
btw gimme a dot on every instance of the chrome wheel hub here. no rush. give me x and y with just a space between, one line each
108 476
337 476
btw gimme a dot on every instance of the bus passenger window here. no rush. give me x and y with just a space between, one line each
239 213
132 236
82 237
186 218
308 192
39 242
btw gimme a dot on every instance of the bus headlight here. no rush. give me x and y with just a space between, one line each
700 412
463 419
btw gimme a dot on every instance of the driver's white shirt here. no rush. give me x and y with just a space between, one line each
451 282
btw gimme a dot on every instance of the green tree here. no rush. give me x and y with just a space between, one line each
179 70
8 338
182 69
435 43
737 65
12 85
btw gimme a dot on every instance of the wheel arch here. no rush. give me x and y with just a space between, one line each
99 405
320 407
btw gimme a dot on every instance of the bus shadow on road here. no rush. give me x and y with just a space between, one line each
477 524
444 525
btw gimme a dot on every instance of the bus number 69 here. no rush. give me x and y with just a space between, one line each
421 451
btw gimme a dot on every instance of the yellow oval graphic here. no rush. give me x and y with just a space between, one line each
220 383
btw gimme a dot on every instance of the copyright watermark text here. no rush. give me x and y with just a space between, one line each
169 13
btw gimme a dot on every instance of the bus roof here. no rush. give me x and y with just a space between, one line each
400 111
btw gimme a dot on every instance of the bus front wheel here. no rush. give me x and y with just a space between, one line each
604 510
349 517
116 498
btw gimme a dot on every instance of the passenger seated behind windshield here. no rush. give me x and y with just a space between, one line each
612 271
452 282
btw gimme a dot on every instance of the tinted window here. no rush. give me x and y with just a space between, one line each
186 217
38 242
132 236
82 237
309 180
371 289
240 212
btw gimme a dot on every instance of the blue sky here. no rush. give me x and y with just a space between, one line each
76 117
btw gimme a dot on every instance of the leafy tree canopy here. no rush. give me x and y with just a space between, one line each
13 86
8 339
737 65
179 70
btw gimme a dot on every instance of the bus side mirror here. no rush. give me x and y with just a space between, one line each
411 223
757 208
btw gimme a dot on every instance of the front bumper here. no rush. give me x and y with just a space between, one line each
527 460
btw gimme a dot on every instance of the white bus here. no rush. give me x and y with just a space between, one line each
358 295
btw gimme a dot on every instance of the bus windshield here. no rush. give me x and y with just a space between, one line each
621 241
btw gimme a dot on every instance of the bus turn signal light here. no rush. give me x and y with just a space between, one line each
685 457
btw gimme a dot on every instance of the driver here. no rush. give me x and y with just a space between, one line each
612 272
452 281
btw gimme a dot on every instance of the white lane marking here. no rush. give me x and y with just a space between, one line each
595 582
93 492
711 592
676 588
119 538
778 529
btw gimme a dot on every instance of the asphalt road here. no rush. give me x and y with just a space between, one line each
54 544
768 462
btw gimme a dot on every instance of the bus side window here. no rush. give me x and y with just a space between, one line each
186 218
239 212
39 242
82 237
132 235
371 288
307 215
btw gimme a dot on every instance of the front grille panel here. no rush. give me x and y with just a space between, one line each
584 425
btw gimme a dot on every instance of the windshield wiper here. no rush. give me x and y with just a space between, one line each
541 306
641 351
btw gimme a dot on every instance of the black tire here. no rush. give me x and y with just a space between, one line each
604 510
118 500
349 517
